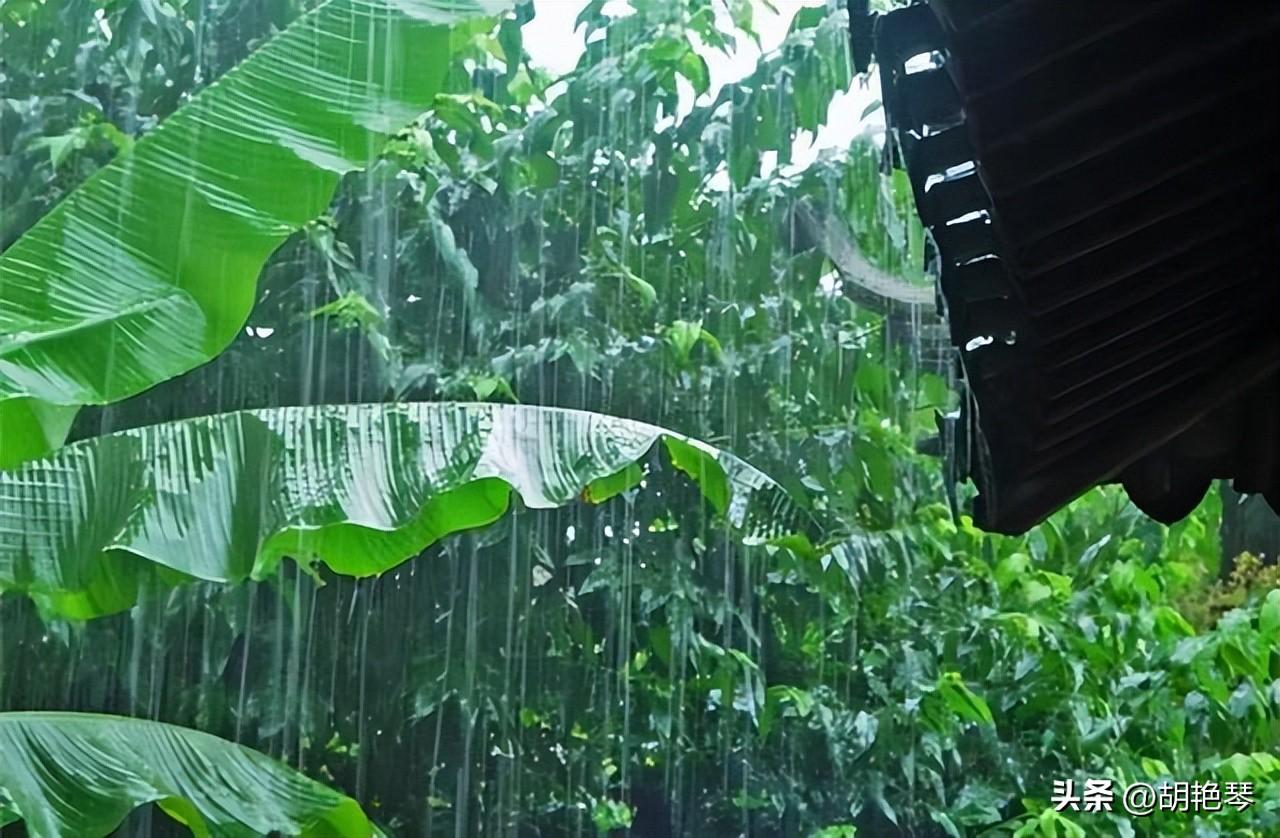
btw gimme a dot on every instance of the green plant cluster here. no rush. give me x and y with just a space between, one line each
623 241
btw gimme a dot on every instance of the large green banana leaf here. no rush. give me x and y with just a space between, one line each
77 775
358 487
150 268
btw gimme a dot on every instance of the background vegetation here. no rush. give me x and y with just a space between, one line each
623 241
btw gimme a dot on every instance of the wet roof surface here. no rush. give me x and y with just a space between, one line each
1101 182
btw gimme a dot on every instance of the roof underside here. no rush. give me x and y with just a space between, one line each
1100 179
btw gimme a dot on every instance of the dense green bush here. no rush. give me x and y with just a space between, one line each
594 243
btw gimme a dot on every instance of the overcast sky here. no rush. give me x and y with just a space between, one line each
552 44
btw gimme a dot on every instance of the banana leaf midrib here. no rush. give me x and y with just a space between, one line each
359 488
150 267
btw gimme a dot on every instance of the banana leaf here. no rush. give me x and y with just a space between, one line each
77 775
360 488
150 268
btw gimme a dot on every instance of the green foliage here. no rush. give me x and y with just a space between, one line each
360 488
1085 667
76 775
162 246
621 242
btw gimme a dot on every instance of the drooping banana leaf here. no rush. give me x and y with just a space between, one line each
150 268
358 487
77 775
